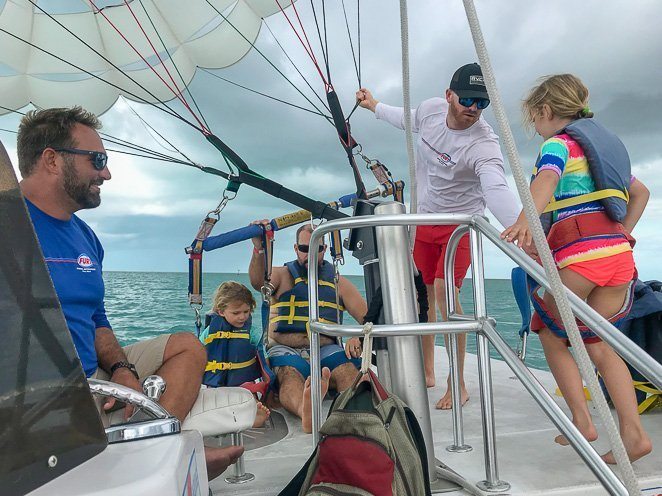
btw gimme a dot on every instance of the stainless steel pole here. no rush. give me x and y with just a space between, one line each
458 445
583 448
492 482
396 272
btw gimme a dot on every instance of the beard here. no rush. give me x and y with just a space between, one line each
78 191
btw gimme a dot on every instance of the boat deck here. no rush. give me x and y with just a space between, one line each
528 458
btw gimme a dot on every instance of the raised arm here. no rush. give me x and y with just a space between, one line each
639 195
388 113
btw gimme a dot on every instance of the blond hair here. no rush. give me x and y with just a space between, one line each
565 94
230 292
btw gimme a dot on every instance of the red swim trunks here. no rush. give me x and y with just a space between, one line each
430 250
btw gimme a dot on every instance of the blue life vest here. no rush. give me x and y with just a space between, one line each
293 304
609 164
231 358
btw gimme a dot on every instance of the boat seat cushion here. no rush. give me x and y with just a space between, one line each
220 411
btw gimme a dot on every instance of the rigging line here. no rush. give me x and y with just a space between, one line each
8 130
358 36
175 93
132 146
127 144
308 49
151 157
172 60
252 44
264 21
351 44
149 126
319 33
326 43
267 96
167 109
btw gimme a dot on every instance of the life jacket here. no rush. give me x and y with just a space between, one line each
231 357
293 304
609 164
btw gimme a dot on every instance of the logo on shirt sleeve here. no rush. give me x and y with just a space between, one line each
85 263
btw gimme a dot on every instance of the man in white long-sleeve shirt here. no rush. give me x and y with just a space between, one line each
459 169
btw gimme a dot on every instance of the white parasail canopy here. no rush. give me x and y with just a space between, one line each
190 33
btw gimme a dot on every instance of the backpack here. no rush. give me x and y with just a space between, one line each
370 445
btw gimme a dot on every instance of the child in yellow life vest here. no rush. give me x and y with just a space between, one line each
231 357
589 203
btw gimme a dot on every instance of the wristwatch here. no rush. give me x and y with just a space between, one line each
126 365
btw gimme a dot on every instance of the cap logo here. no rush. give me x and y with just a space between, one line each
476 79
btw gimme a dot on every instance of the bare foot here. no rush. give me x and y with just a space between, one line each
446 402
219 459
306 403
586 428
636 447
261 415
430 380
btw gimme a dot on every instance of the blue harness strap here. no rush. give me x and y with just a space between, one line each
519 281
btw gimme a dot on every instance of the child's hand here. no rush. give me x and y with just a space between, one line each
519 232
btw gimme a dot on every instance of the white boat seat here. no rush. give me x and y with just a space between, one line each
219 411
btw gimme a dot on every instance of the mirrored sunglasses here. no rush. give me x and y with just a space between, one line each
481 103
98 159
305 248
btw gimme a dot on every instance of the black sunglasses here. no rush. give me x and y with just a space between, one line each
98 159
305 248
481 103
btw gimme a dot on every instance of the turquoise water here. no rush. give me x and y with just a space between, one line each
141 305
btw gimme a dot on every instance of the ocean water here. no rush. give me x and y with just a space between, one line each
141 305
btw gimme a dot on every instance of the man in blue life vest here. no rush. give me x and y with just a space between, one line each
64 164
289 344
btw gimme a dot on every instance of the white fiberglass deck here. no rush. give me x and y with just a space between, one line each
528 458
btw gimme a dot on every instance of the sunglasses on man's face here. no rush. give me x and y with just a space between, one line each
481 103
98 159
305 248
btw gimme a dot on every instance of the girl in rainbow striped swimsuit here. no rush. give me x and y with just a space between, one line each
592 252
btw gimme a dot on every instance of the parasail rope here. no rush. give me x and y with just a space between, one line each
557 288
351 44
264 21
406 97
177 94
306 44
172 60
266 95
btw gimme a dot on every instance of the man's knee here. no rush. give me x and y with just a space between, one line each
343 375
286 375
185 342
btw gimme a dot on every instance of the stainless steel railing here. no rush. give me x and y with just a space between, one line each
485 331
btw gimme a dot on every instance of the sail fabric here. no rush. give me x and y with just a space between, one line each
191 34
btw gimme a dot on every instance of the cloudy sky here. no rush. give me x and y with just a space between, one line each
151 210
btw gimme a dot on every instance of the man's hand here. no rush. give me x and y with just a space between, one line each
353 348
366 100
126 378
257 240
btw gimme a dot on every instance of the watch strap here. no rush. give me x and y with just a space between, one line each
124 364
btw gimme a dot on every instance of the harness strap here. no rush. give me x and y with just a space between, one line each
586 198
215 366
227 335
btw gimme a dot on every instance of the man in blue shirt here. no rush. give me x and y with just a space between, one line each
63 164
